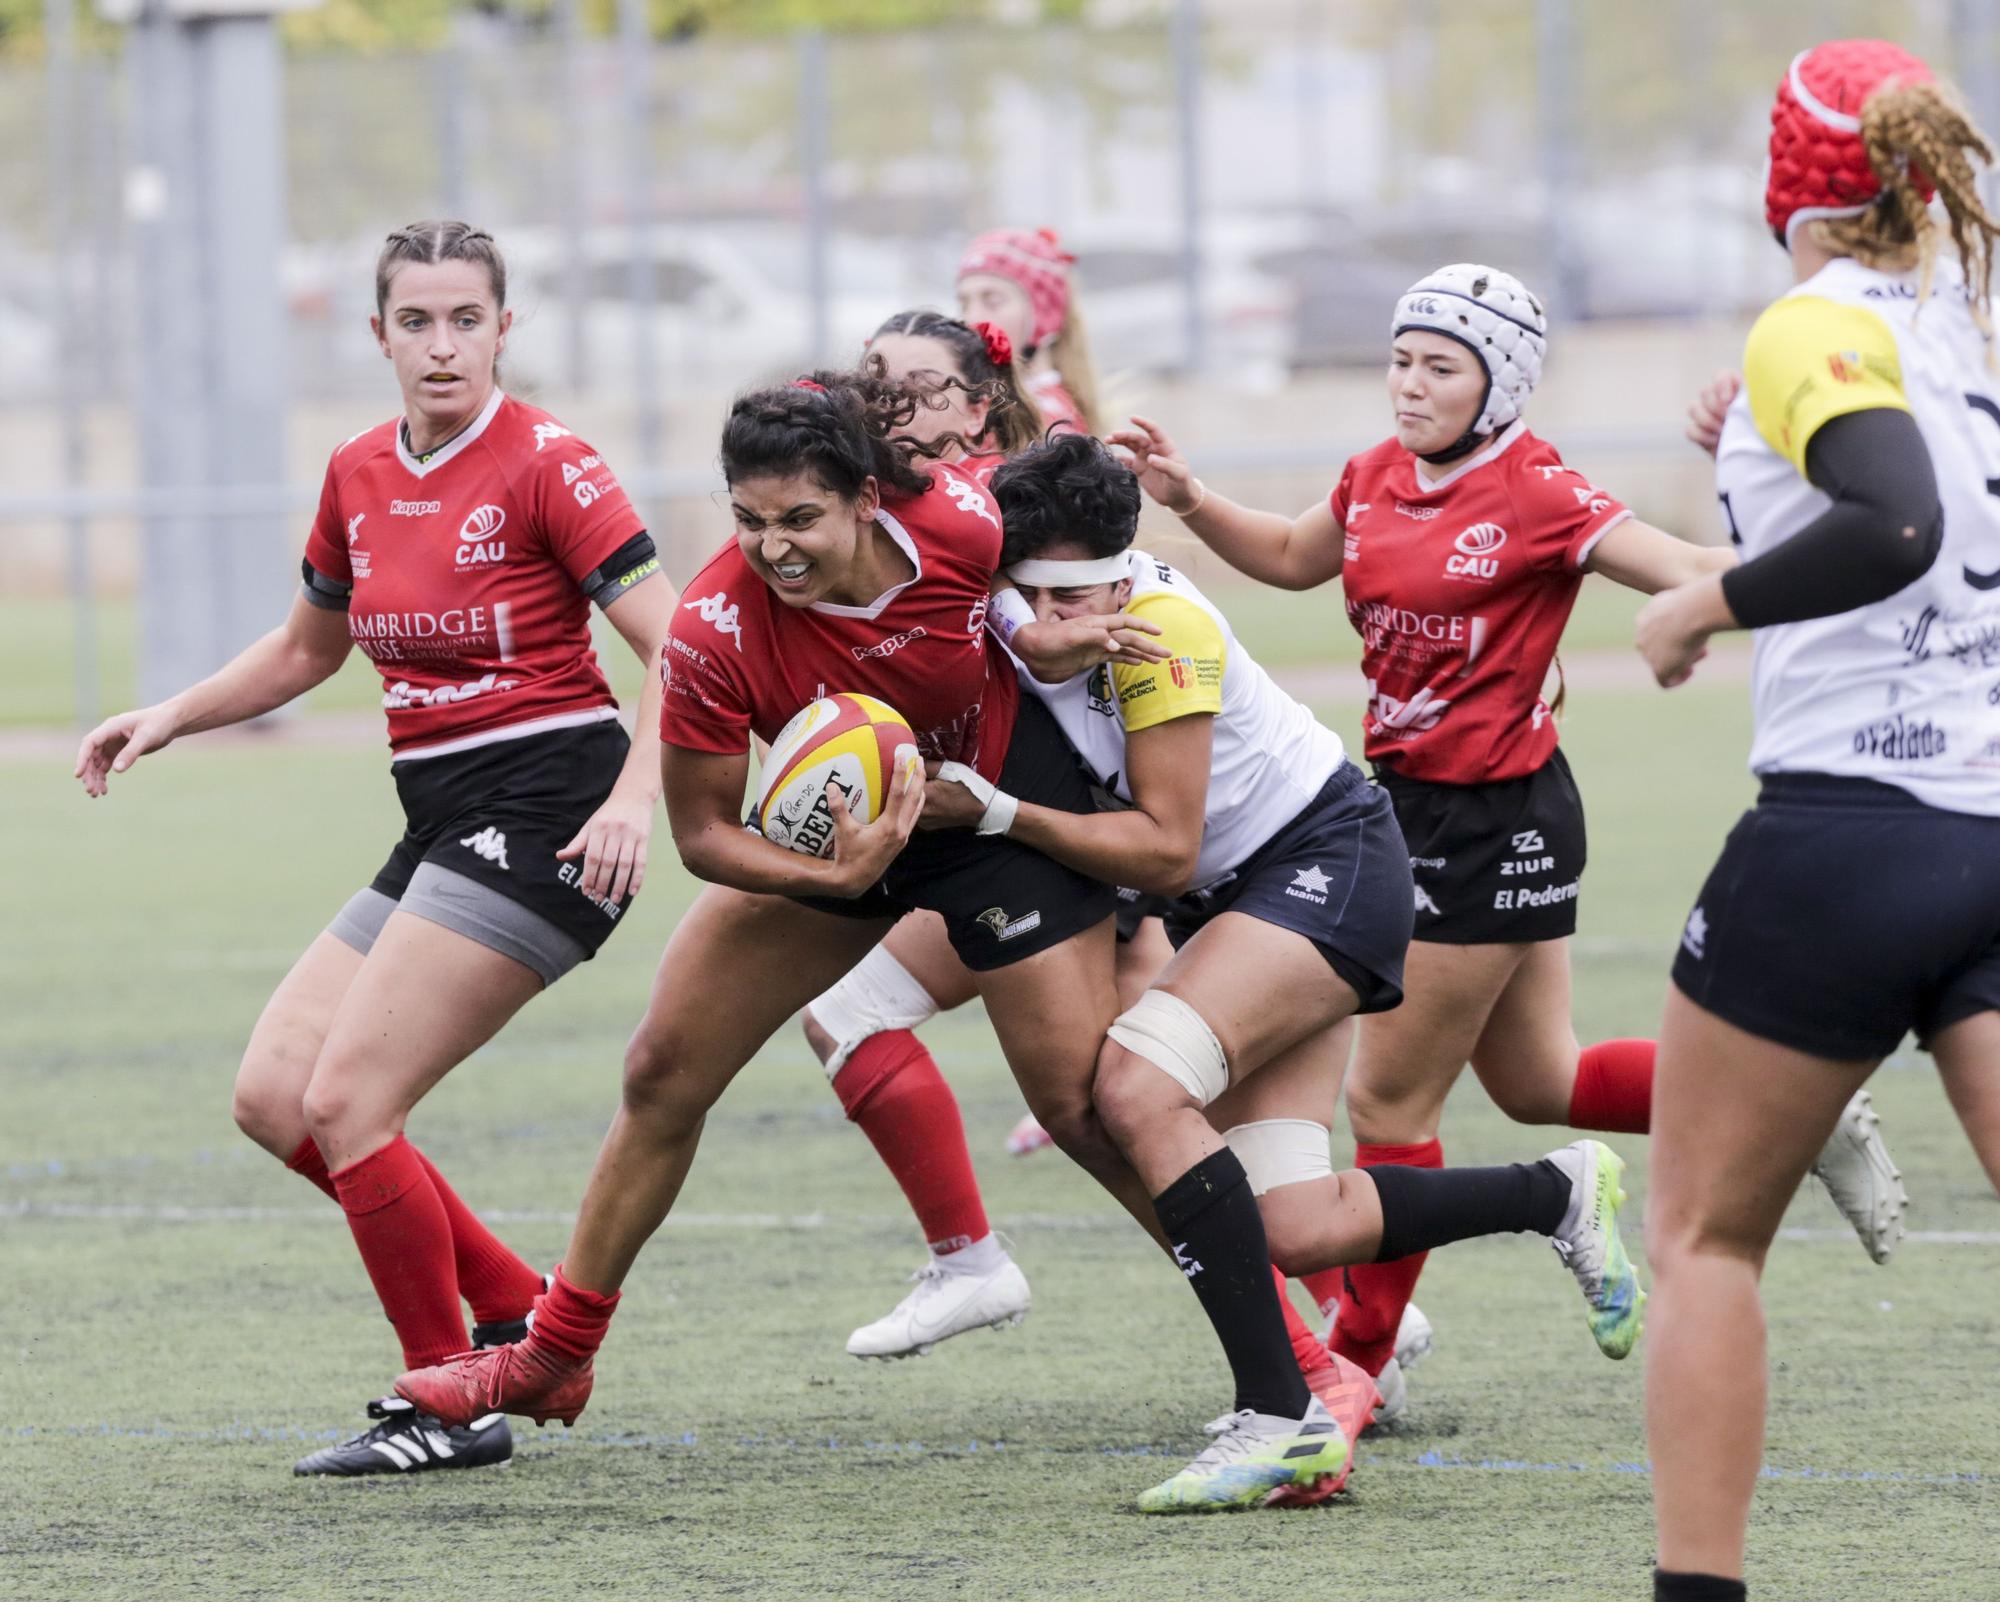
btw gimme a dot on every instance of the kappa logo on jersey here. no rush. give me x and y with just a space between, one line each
476 543
548 433
1694 938
891 645
716 611
967 498
1006 928
415 508
1423 514
1475 548
490 844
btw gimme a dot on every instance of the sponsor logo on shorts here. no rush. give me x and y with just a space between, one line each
1523 900
1528 865
415 508
716 611
1527 841
1309 884
1428 862
1900 739
891 645
1694 938
1006 928
490 844
1425 904
571 874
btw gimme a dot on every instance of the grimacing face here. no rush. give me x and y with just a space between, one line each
1435 389
1054 603
801 538
442 330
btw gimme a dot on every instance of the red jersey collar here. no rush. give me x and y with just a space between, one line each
1502 442
874 608
417 467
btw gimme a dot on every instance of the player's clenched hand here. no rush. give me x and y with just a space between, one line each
1707 410
1064 647
612 843
863 851
1673 628
116 743
949 804
1163 472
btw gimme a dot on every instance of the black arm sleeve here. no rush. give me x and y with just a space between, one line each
1882 531
633 562
329 595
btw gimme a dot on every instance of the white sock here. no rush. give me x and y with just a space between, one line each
983 1256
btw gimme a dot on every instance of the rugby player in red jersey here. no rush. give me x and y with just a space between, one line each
853 569
1019 279
1460 544
460 546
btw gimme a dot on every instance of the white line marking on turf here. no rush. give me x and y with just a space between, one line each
151 1213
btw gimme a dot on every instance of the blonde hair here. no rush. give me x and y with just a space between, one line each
1073 362
1910 130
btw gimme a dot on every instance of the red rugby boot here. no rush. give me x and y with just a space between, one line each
1346 1391
527 1379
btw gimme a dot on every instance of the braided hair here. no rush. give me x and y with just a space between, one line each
1913 132
1013 420
835 425
427 243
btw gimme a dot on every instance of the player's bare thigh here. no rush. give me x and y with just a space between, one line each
1406 1060
1526 1055
269 1104
919 942
1968 1059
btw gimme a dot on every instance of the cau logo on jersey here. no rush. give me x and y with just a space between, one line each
1475 553
476 543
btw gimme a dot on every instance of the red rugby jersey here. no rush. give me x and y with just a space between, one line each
739 661
1059 408
1460 589
465 571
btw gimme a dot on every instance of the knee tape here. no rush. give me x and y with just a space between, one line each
878 994
1175 1039
1282 1151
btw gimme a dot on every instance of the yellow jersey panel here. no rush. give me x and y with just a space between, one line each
1189 681
1810 360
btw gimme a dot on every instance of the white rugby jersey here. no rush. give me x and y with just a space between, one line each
1271 756
1906 690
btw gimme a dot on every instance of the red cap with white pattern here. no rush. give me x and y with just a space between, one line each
1818 166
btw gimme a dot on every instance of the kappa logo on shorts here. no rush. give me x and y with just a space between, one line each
1309 884
1006 928
491 844
1425 904
1694 938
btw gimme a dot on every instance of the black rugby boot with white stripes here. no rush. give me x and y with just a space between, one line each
404 1441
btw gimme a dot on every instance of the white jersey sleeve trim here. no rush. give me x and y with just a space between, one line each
1589 545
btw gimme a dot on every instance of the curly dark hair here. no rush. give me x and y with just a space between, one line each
1013 419
832 424
1068 489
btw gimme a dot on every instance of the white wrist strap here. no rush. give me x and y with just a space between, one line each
998 818
1007 611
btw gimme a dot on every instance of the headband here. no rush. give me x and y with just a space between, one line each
1072 575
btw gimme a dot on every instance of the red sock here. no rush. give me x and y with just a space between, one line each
571 1320
1372 1296
498 1284
405 1239
1307 1347
1614 1087
308 1164
891 1087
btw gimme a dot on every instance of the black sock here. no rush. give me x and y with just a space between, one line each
1426 1207
1218 1238
1669 1587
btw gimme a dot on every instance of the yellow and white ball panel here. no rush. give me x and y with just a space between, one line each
854 741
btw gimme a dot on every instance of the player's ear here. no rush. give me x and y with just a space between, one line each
506 326
868 499
381 333
1121 595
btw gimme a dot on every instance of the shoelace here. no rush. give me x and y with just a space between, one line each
1234 1438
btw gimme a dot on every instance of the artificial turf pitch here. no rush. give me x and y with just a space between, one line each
181 1319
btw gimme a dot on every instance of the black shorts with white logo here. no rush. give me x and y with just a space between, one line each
1493 863
1001 901
1843 914
1134 908
497 815
1338 874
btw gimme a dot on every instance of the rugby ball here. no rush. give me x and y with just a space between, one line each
854 741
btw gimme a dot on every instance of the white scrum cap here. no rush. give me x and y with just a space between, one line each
1492 314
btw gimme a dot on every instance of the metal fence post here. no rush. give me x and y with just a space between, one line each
635 64
813 133
1186 44
1555 95
572 176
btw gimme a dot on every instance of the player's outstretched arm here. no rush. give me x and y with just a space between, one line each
1649 559
305 650
704 811
1292 553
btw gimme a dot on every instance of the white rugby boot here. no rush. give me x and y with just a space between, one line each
1256 1460
947 1301
1864 1183
1587 1242
1414 1337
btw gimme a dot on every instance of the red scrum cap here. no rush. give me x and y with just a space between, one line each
1818 166
1033 259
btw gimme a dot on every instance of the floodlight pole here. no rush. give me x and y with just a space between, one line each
207 200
